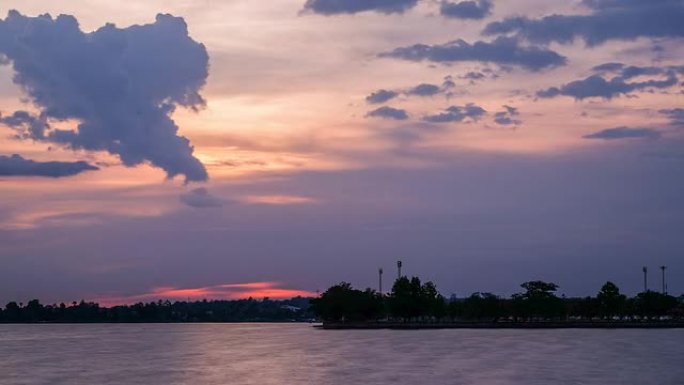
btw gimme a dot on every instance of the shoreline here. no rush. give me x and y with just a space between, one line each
504 325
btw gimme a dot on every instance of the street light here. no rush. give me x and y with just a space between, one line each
645 270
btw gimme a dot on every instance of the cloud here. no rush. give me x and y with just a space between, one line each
472 76
334 7
120 85
457 114
624 133
229 291
381 96
448 82
200 198
597 86
26 125
607 20
634 71
16 165
676 116
608 67
279 200
507 117
424 89
629 72
502 51
466 9
388 113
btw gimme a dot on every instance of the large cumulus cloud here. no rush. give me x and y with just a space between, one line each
502 51
607 20
16 165
332 7
120 85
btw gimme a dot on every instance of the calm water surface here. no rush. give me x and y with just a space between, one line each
298 354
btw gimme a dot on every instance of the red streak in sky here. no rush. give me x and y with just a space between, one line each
228 291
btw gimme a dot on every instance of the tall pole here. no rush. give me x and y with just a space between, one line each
398 269
380 281
662 268
645 270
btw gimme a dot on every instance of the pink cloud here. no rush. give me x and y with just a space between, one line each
229 291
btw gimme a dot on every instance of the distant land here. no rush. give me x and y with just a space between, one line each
243 310
410 304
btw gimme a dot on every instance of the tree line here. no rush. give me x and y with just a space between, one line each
243 310
412 300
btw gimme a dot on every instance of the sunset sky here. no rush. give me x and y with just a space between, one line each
222 149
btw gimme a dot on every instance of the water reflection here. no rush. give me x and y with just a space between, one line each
297 354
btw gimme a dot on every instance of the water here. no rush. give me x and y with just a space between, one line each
298 354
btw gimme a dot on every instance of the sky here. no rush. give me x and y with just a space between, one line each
193 149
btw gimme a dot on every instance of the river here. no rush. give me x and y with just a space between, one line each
263 354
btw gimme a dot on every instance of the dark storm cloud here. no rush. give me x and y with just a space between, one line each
507 117
388 113
597 86
381 96
17 165
466 9
502 51
121 85
457 114
424 89
200 198
624 133
334 7
608 20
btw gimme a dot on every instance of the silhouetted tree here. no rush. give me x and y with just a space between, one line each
610 302
410 299
482 306
538 301
344 303
652 304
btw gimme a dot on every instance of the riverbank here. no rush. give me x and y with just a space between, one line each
508 325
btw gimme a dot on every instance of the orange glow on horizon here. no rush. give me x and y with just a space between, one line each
230 291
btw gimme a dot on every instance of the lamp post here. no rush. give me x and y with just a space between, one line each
645 270
380 281
398 269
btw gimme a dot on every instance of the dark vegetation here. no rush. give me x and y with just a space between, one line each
244 310
412 301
